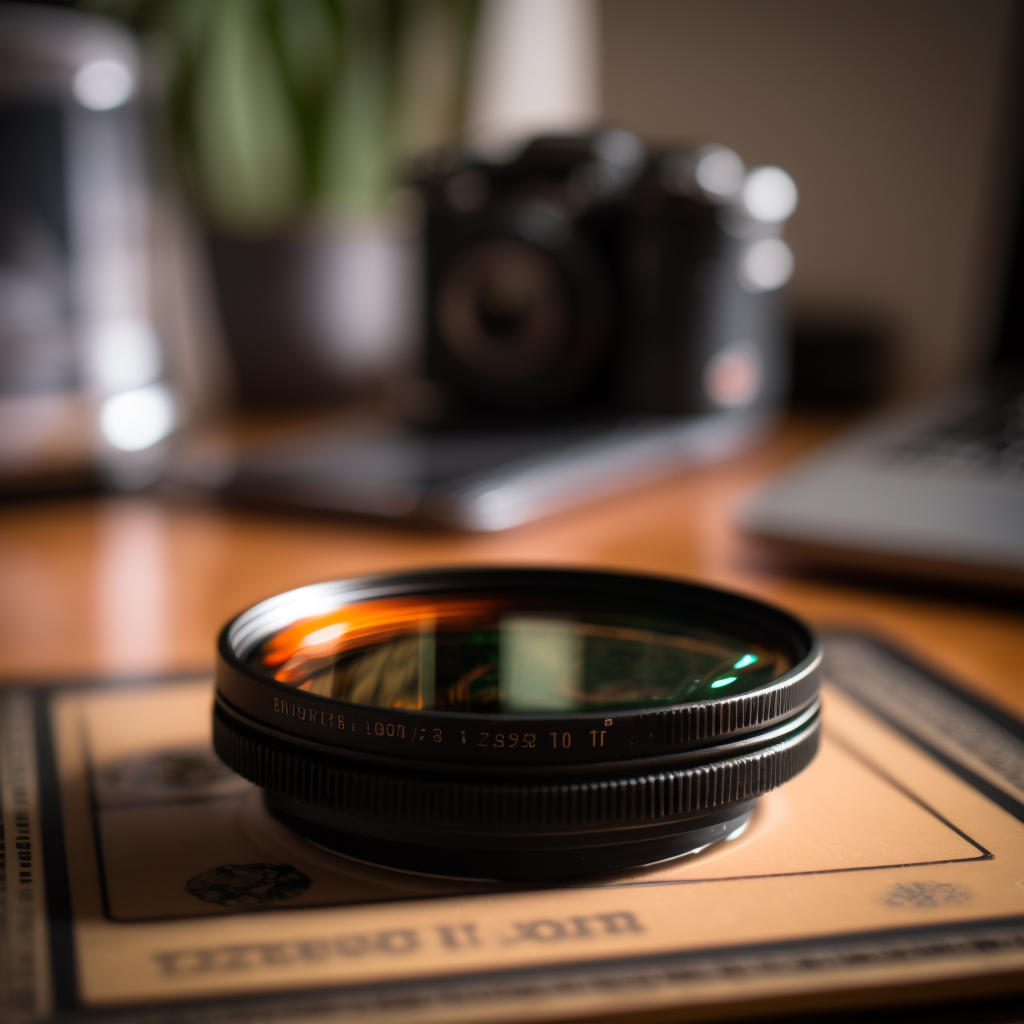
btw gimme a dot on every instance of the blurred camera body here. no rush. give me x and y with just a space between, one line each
596 315
589 277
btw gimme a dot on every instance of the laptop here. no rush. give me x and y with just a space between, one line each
934 490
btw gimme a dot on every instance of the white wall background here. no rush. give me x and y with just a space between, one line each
888 113
536 68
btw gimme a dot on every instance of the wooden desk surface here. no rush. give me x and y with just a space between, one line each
141 584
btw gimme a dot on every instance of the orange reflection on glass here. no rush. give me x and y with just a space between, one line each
311 643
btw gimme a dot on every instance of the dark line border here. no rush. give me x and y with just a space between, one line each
58 884
998 715
998 796
605 975
868 763
97 835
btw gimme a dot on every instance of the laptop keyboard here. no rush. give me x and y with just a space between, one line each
988 439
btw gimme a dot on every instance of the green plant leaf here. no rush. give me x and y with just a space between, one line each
358 159
283 108
431 73
246 148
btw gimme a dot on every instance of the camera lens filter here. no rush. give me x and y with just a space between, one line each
515 723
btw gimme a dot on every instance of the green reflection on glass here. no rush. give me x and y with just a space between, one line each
723 682
747 659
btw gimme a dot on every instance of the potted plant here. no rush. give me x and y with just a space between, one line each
291 121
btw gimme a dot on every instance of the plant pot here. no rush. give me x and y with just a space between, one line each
314 315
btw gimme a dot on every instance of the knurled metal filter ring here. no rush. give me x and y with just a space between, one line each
614 800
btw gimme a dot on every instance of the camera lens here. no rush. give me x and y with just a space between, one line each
522 323
503 310
515 723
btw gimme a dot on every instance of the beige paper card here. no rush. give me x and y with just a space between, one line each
182 889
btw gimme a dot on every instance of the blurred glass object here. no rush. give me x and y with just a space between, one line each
122 354
135 420
75 323
102 84
291 121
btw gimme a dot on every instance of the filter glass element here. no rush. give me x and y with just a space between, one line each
483 653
